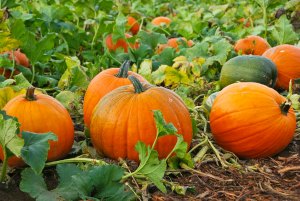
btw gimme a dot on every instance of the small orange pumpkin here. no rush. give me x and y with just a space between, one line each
121 43
133 25
20 59
125 116
287 60
41 113
174 43
159 21
255 45
102 84
252 120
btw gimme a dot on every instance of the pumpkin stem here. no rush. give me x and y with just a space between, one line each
123 72
138 87
30 94
285 106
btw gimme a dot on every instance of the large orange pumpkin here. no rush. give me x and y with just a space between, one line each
120 43
133 24
287 60
255 45
159 21
41 113
125 116
20 59
102 84
252 120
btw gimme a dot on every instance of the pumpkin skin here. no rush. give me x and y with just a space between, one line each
160 21
247 119
124 116
120 43
248 68
287 60
44 114
20 59
103 83
133 25
255 45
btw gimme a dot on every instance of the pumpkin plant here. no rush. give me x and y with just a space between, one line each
287 60
255 45
252 120
40 113
248 68
124 116
103 83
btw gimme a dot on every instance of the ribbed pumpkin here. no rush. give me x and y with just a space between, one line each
252 120
20 59
125 116
159 21
287 60
103 83
255 45
41 113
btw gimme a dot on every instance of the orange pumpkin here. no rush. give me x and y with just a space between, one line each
134 26
255 45
20 59
120 43
102 84
287 60
252 120
41 113
125 116
174 43
159 21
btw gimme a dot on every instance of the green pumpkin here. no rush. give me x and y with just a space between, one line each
210 100
248 68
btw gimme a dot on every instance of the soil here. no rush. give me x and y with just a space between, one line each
276 178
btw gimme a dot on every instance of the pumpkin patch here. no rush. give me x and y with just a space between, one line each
149 100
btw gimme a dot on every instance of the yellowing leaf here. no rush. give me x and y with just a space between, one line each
174 77
158 76
8 93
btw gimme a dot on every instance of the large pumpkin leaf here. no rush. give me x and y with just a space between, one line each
35 149
97 183
283 32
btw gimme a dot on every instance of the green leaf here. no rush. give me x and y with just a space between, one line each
165 57
70 100
21 82
159 75
119 28
108 187
150 166
146 69
34 184
283 32
162 127
180 147
35 149
74 76
9 128
220 51
152 39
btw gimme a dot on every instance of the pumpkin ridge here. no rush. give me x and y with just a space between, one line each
245 126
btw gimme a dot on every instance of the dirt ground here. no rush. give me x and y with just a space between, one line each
276 178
